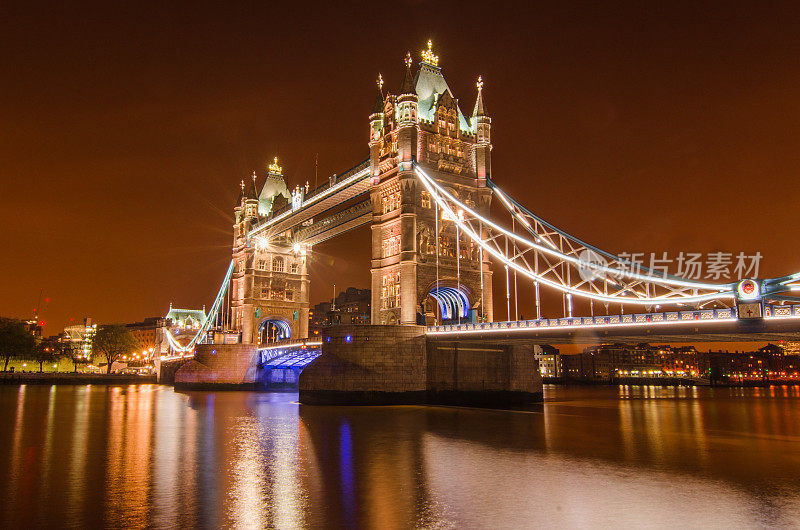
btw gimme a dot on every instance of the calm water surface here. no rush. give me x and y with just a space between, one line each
145 455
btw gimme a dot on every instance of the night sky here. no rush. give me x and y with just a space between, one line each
127 126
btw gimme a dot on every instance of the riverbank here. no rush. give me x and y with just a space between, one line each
666 381
72 378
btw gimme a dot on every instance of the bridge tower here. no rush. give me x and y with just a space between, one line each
269 283
423 124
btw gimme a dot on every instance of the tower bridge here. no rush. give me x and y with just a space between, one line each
425 191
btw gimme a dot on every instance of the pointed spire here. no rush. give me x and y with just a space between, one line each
241 195
408 80
480 110
254 193
379 98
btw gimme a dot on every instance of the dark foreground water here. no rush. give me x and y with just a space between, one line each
135 456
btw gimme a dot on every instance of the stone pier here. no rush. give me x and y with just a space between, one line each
232 366
364 364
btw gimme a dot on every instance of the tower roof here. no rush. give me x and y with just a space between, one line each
430 85
273 186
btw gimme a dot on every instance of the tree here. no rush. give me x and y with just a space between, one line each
46 351
15 340
74 351
113 341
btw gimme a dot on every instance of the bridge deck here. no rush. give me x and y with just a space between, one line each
336 224
707 325
349 187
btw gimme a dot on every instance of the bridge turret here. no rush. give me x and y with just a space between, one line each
407 101
376 128
251 202
482 124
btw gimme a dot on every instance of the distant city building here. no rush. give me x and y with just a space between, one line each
791 347
149 337
549 360
609 362
34 327
352 306
80 337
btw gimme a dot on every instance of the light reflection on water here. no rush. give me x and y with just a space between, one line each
146 456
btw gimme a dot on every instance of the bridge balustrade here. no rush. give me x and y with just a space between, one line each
771 311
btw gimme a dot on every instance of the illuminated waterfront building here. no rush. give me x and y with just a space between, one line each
80 337
149 337
549 360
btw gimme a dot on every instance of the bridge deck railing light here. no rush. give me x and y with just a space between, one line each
609 321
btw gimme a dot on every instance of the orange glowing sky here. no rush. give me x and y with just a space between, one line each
127 127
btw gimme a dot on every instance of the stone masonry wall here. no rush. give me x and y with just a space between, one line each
376 359
464 367
220 364
397 364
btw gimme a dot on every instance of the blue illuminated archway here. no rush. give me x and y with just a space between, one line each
453 302
273 329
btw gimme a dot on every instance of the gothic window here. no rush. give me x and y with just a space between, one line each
390 290
262 264
277 265
391 246
432 146
447 246
391 201
426 199
265 292
289 295
293 268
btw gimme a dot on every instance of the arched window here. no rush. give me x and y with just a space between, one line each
277 264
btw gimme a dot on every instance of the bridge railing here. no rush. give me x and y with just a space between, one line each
669 317
323 187
287 353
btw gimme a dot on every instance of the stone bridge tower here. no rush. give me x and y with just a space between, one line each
423 124
270 283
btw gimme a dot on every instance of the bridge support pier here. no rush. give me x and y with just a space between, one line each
398 364
234 366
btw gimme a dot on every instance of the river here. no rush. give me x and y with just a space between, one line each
148 456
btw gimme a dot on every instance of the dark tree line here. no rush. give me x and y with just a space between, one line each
16 342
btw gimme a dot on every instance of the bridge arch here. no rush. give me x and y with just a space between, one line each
450 302
272 329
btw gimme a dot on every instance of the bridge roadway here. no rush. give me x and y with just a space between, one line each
705 325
